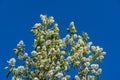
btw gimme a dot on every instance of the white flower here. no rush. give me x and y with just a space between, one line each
94 66
80 41
67 36
76 54
41 66
75 36
64 78
52 32
91 78
77 77
93 71
72 24
12 61
20 68
58 50
15 71
73 48
43 18
90 57
25 55
101 57
69 58
99 71
67 76
16 78
96 48
83 59
51 20
77 45
77 62
86 70
83 78
79 37
48 42
58 67
66 68
34 53
93 48
50 73
62 52
44 48
103 53
86 64
59 74
56 26
71 41
38 47
37 25
53 49
89 44
21 43
35 78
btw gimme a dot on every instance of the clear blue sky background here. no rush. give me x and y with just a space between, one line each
100 18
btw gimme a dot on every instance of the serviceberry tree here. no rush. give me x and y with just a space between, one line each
52 56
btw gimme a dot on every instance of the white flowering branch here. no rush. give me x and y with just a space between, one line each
53 57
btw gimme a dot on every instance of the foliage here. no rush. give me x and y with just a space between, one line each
52 56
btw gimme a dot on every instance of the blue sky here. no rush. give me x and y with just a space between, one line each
100 18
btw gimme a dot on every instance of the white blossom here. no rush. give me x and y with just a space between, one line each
101 57
99 71
43 18
51 20
77 62
59 74
91 78
86 70
75 36
20 44
62 52
25 55
93 71
81 42
34 53
35 78
86 64
69 58
21 67
94 66
55 25
67 36
72 24
77 77
16 78
58 67
37 25
64 78
12 61
44 48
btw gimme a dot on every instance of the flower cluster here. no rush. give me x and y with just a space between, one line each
53 56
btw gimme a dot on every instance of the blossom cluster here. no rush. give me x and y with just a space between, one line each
53 56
